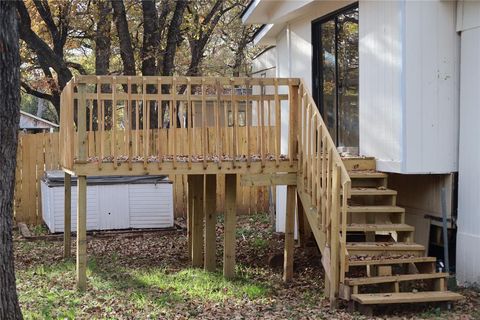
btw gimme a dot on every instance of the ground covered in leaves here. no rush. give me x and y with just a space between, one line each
148 277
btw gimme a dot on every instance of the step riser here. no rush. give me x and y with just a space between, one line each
385 253
369 182
359 164
376 217
392 279
413 260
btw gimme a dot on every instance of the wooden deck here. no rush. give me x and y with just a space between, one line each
231 127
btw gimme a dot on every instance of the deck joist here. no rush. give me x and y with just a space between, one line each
168 168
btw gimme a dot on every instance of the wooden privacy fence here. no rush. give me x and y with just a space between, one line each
35 154
39 152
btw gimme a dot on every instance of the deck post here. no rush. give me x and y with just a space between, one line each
230 223
293 129
334 237
304 229
190 184
210 222
67 211
198 214
82 191
289 234
82 233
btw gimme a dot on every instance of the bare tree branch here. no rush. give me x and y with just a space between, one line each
27 89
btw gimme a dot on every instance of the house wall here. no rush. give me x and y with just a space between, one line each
265 64
294 59
380 97
409 87
468 235
31 123
431 82
409 84
409 79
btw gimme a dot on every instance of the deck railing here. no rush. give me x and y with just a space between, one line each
326 181
122 119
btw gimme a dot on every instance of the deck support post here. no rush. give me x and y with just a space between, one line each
82 191
82 233
190 194
304 229
197 220
67 211
230 223
210 221
334 238
289 234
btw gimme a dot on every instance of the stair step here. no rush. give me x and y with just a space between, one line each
376 248
394 278
375 209
359 191
380 227
366 174
387 261
406 297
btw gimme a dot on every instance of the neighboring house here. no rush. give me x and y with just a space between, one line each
395 80
33 124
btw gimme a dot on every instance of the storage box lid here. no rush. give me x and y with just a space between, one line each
56 178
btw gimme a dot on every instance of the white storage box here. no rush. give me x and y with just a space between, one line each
112 202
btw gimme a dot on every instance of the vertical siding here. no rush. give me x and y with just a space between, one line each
57 203
432 87
468 235
265 62
294 59
113 207
151 206
380 46
409 79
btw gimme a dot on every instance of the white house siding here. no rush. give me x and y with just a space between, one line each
468 235
409 80
431 80
264 64
294 59
380 97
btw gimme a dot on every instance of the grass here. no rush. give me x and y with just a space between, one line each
259 243
47 291
202 285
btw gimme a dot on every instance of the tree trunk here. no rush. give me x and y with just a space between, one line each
103 38
9 119
240 53
151 38
173 37
126 50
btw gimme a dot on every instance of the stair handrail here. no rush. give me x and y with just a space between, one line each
325 179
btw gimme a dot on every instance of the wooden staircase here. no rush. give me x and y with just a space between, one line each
368 251
384 265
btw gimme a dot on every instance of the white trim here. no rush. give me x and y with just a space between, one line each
39 119
250 10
